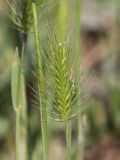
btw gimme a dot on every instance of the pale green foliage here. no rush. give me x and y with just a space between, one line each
19 104
17 84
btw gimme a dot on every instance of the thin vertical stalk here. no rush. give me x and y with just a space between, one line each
80 140
41 87
62 18
79 128
24 124
78 13
68 139
17 136
23 118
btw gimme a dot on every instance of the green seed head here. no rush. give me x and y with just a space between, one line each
62 88
21 13
62 79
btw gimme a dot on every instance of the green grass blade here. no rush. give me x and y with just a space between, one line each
15 82
41 87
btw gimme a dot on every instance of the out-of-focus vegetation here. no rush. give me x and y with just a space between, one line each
100 54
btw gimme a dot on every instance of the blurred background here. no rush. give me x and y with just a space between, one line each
100 52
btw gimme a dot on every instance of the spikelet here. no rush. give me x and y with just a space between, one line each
21 13
61 66
62 89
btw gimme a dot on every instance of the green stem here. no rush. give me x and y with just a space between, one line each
78 7
17 138
62 18
80 149
23 120
68 139
41 87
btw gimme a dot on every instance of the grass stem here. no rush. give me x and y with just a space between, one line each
68 139
79 129
17 136
80 149
41 87
78 13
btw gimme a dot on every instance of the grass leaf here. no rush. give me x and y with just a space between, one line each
17 84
